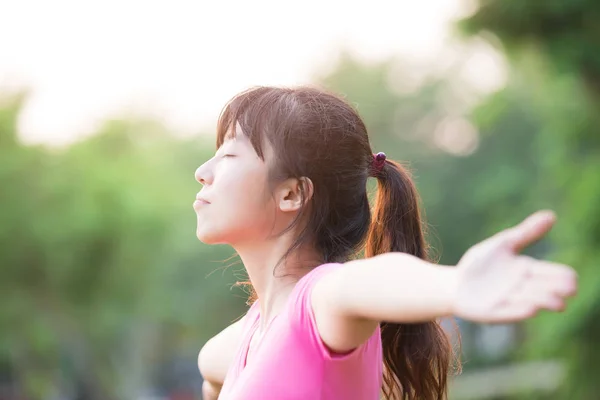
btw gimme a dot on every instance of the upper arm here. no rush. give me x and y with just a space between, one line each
338 329
218 353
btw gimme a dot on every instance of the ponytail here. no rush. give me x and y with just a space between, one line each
417 357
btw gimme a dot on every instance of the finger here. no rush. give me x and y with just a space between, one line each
544 268
548 268
530 230
555 288
537 297
549 301
545 277
513 312
543 292
560 279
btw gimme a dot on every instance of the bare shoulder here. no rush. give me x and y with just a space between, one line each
339 330
218 353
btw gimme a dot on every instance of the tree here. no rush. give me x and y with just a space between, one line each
103 279
554 47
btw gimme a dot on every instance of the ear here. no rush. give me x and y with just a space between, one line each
293 193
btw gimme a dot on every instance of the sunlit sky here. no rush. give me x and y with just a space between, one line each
180 60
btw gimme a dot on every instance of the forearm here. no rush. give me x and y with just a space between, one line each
395 287
210 391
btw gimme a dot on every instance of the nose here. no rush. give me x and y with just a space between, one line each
203 174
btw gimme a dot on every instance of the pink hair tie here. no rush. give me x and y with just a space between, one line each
378 162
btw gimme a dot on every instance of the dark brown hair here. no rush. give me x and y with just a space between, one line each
318 135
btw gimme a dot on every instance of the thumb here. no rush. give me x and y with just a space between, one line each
529 231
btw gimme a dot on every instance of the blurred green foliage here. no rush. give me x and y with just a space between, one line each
102 277
555 48
104 285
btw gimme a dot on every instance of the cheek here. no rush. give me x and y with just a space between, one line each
242 211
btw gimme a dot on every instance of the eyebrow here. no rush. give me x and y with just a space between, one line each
229 135
227 140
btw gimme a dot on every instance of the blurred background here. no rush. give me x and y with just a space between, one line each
108 107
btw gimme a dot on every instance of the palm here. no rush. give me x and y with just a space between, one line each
497 284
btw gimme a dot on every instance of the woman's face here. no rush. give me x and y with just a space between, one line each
235 204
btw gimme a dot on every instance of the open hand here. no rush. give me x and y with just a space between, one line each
496 284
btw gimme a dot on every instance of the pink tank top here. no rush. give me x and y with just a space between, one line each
290 362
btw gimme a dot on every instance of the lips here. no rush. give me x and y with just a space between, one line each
200 200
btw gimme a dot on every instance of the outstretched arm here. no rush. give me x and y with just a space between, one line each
216 357
491 283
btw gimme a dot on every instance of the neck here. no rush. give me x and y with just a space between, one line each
272 278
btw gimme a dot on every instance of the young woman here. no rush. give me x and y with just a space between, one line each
287 189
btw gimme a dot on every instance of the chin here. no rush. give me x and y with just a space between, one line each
208 237
204 238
